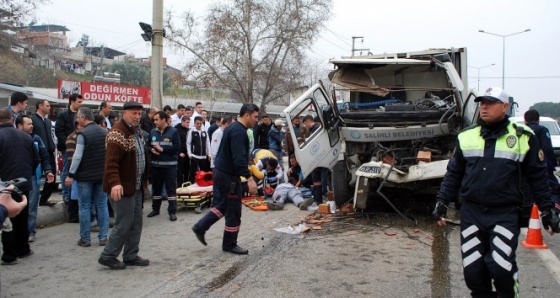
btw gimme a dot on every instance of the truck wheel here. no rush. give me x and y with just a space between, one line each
340 179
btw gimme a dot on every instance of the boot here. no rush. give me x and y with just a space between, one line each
229 244
156 205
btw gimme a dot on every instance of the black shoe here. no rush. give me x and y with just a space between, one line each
47 203
138 261
153 213
236 250
112 263
26 255
199 236
172 217
84 243
14 262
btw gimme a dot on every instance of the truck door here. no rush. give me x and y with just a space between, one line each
321 147
470 110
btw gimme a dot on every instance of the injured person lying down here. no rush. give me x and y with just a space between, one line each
288 192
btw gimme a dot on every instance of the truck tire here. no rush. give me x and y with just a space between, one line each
340 179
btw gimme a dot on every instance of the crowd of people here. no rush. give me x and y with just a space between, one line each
162 149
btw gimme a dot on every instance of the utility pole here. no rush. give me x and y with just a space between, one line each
157 54
353 44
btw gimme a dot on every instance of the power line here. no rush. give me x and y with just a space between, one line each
340 37
535 77
90 27
320 53
130 44
334 44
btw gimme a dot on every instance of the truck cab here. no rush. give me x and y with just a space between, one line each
398 128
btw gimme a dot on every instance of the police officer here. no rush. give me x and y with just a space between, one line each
231 163
485 172
543 135
164 149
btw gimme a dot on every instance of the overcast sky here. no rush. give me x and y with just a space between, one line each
532 64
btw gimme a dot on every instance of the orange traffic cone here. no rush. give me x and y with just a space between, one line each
534 236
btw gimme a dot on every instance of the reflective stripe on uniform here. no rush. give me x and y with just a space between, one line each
502 246
469 231
471 258
509 146
503 231
501 261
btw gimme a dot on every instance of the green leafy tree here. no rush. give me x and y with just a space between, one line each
255 48
547 109
131 73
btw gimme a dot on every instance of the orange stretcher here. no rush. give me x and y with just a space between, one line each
194 196
255 203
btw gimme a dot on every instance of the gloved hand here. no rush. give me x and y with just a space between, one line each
440 211
550 220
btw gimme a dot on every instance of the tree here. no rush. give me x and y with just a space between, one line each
256 48
131 73
136 74
547 109
21 10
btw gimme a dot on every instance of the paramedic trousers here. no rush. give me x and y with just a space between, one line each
488 242
227 191
164 177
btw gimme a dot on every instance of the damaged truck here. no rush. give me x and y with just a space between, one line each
388 123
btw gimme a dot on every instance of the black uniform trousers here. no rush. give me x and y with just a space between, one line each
227 192
489 238
164 177
14 243
316 177
183 170
48 188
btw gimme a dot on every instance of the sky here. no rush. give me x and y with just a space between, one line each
532 71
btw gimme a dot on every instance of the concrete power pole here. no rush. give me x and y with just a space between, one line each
157 54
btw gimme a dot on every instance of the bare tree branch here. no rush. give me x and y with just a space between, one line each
255 48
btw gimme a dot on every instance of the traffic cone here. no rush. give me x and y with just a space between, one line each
534 236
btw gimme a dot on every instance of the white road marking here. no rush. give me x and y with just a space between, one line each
548 257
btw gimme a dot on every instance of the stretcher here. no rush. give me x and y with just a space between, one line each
255 203
194 196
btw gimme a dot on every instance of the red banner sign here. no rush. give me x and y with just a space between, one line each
104 92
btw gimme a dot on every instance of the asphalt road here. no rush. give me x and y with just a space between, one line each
375 255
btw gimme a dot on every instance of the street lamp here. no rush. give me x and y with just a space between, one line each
478 73
504 49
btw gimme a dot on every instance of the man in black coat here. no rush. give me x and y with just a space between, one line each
18 159
42 127
63 128
261 133
183 164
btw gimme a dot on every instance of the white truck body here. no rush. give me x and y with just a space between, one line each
393 106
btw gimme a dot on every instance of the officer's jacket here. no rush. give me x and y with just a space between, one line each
168 140
543 135
487 165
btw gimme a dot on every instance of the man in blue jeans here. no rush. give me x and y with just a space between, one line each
87 168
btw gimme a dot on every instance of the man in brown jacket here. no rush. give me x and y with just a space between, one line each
126 167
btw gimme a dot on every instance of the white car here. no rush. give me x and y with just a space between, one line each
552 127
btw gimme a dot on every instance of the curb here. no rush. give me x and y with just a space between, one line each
48 216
